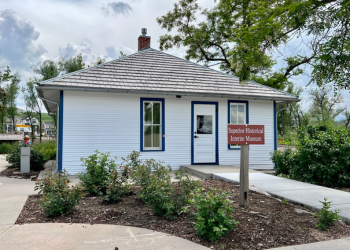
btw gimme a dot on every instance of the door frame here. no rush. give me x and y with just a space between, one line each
216 132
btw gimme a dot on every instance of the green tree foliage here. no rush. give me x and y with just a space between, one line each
325 108
5 75
98 61
71 64
321 157
243 35
290 116
47 69
32 101
347 118
12 90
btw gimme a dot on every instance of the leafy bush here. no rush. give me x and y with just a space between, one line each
166 198
325 216
61 202
52 183
98 169
213 214
321 157
5 148
37 160
58 198
47 149
117 186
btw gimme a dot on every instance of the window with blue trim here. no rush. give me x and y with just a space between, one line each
237 114
152 124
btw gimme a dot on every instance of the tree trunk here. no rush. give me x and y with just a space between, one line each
13 124
40 125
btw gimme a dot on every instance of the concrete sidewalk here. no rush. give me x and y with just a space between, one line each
57 236
340 244
299 192
13 195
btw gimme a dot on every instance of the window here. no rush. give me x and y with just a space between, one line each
237 114
152 124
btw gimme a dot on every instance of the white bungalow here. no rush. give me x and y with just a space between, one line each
168 108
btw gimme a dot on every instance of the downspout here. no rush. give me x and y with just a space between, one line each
57 129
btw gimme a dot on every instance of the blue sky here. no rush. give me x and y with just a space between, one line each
34 30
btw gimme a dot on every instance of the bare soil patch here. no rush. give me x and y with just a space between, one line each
344 189
265 224
16 173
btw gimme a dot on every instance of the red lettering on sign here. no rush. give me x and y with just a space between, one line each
246 134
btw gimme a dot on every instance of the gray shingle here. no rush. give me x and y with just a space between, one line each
152 70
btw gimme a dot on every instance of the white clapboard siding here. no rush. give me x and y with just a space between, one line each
110 122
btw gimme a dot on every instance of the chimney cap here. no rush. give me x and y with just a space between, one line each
144 31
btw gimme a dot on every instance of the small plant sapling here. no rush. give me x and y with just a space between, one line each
326 216
284 202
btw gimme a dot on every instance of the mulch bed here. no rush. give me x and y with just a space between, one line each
265 224
16 173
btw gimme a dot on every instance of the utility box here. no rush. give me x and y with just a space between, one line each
25 159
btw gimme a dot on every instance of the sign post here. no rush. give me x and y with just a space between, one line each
245 135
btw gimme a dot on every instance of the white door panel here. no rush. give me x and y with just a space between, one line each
204 150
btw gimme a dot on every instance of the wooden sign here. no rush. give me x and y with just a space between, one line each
246 134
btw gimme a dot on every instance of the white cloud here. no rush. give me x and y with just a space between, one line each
84 48
116 8
113 53
18 38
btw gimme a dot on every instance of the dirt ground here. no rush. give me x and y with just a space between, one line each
16 173
265 224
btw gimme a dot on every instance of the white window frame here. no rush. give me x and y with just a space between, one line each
160 148
245 118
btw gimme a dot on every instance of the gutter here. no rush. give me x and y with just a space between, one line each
129 91
57 130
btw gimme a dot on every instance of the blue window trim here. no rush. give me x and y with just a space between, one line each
216 132
141 123
229 118
60 136
275 125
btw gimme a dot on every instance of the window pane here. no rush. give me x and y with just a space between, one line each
234 119
204 124
148 113
156 113
147 138
241 119
156 136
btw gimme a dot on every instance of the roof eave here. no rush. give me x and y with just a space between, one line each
131 91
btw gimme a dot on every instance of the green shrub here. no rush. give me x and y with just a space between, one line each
327 217
321 157
37 160
284 160
156 189
58 197
14 156
117 185
52 183
61 202
47 149
213 214
5 148
98 169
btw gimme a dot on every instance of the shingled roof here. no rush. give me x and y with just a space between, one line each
153 71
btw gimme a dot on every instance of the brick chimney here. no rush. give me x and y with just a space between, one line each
144 41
